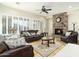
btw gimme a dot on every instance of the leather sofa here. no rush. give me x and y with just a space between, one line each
72 38
23 51
31 38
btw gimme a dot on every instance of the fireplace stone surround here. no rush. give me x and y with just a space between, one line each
60 24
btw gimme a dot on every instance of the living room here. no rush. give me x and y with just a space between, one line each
39 29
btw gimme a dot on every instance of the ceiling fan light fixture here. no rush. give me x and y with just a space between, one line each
17 3
44 9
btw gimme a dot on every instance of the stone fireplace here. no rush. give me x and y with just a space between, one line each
60 23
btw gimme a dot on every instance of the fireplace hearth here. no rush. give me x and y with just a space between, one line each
58 31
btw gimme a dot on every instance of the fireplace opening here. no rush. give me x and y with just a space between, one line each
59 31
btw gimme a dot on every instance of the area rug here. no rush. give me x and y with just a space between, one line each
44 50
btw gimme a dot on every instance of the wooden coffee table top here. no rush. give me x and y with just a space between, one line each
47 38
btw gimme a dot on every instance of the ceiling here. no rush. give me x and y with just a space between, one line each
35 7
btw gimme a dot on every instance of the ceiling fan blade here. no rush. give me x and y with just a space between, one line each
48 9
46 12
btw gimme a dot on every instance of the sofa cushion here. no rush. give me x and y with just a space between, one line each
25 33
13 36
16 42
3 47
67 33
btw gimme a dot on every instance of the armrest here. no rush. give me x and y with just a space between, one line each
63 34
73 35
4 55
26 51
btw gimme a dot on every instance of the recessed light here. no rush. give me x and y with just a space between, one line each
70 7
17 2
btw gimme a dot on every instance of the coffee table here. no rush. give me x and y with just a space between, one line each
48 39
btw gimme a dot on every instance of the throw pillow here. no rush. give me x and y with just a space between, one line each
39 32
15 43
32 33
67 33
20 41
28 34
25 33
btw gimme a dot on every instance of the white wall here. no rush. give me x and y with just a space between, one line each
4 10
50 26
73 18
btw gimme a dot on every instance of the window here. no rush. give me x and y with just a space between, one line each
15 24
12 24
21 24
27 24
9 24
4 24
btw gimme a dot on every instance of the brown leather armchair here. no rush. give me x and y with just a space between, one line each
72 38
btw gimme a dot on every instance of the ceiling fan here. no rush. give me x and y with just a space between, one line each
45 10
